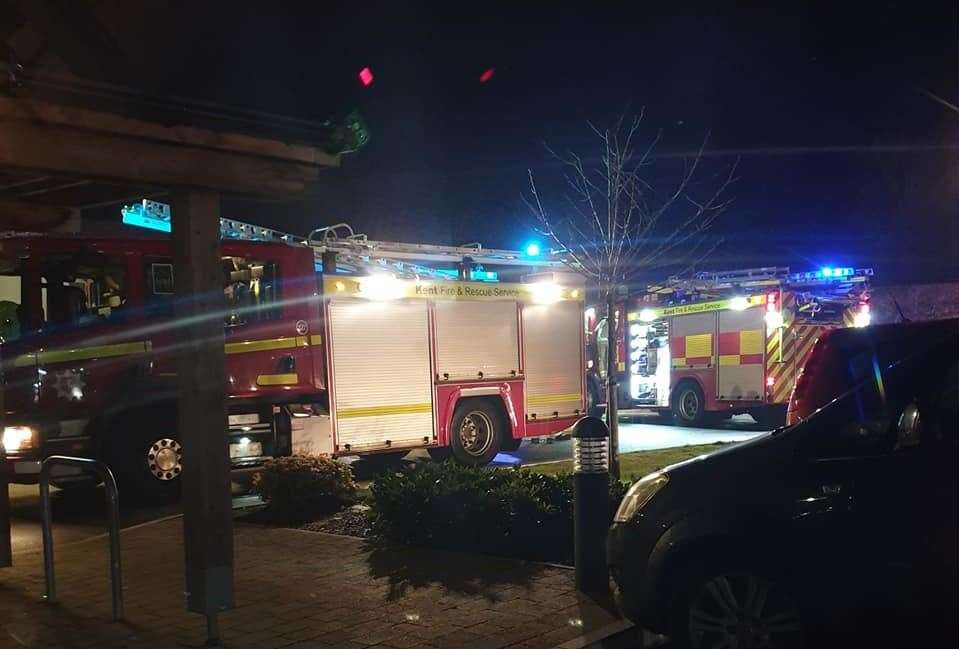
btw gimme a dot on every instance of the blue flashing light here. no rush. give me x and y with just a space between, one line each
532 249
826 271
485 275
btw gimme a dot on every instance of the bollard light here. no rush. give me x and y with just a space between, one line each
590 446
590 503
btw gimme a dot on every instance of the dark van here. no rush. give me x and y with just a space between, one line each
846 521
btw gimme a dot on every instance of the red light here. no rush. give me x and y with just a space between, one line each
864 307
487 74
770 381
366 76
771 301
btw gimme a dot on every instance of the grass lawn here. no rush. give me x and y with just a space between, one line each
635 465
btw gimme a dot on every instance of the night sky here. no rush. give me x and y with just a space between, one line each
843 160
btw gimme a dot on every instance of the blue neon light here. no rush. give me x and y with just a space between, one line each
532 249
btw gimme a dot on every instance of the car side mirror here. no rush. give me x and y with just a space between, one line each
907 433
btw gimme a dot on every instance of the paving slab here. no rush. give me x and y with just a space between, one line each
299 589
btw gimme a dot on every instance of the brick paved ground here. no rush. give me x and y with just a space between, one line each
297 589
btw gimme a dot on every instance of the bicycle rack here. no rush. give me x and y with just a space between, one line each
103 472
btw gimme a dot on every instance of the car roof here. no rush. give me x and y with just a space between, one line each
853 338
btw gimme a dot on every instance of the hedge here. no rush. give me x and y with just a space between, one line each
301 488
509 512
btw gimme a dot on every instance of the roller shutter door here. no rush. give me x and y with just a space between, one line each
552 337
476 339
381 373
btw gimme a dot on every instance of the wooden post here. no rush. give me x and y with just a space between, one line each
6 557
207 506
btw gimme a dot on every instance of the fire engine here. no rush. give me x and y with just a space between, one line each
335 345
726 343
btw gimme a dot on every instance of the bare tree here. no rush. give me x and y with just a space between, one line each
617 223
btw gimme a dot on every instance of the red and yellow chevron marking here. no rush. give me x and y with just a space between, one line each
797 341
691 351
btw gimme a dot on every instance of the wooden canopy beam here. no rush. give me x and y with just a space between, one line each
41 138
20 215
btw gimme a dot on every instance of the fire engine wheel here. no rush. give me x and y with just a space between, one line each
477 432
689 406
148 468
164 458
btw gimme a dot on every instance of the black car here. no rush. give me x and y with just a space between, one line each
847 521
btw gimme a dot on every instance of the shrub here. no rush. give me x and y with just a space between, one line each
495 511
299 488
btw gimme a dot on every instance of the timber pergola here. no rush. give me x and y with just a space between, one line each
59 157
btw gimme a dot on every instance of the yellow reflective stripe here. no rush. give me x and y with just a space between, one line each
679 362
541 399
729 359
277 379
67 354
272 343
260 345
379 411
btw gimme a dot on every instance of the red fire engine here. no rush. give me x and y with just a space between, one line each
335 345
723 343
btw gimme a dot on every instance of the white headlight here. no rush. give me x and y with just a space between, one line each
638 495
17 438
739 303
381 287
546 292
647 315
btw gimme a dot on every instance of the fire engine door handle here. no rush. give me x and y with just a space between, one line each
286 364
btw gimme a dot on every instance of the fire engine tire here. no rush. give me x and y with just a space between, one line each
150 465
689 405
477 432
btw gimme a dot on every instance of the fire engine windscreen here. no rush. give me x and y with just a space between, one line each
76 290
10 300
649 363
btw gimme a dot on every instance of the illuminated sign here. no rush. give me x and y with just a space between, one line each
736 303
385 287
147 214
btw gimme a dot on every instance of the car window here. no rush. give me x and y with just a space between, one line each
944 412
858 424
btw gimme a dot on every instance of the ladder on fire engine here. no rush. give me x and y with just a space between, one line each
353 252
765 276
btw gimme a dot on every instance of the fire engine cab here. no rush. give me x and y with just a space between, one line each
335 345
725 343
